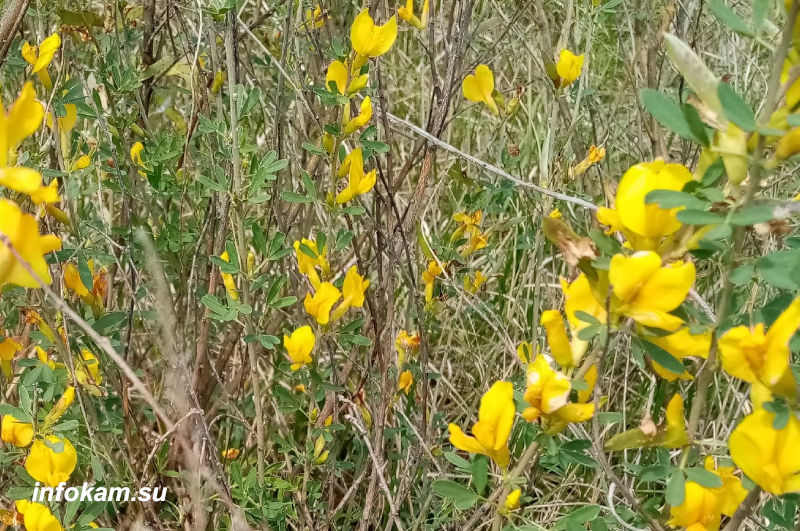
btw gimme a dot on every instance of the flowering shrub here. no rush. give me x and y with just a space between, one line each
533 267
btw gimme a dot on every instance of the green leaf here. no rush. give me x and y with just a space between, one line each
480 472
667 112
781 269
735 108
703 477
663 358
729 18
752 215
674 199
676 489
108 320
223 265
85 272
294 197
462 496
692 216
315 150
309 185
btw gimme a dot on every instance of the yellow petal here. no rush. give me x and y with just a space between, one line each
47 49
25 116
465 442
557 337
337 74
20 179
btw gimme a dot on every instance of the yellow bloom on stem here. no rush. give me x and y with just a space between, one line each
479 87
73 282
557 339
16 432
358 183
230 453
700 510
315 19
473 284
644 224
319 305
228 280
476 242
21 229
768 456
568 67
579 411
405 381
21 121
578 297
309 258
338 75
45 195
731 493
495 420
406 343
681 344
595 155
369 39
353 290
82 162
8 349
52 460
547 389
299 346
136 157
87 372
526 352
60 408
40 57
406 13
364 116
37 517
752 354
429 276
645 291
512 500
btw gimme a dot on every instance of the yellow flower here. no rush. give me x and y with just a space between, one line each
568 67
429 276
315 19
45 195
731 493
22 231
364 116
407 13
230 453
369 39
228 280
8 349
87 372
555 214
512 500
768 456
65 125
754 355
479 87
547 394
645 291
299 346
358 182
560 346
476 242
353 290
82 162
306 264
681 344
319 305
37 517
645 225
700 510
136 157
72 280
405 381
495 420
40 57
52 460
474 284
595 155
60 408
16 432
406 344
338 75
